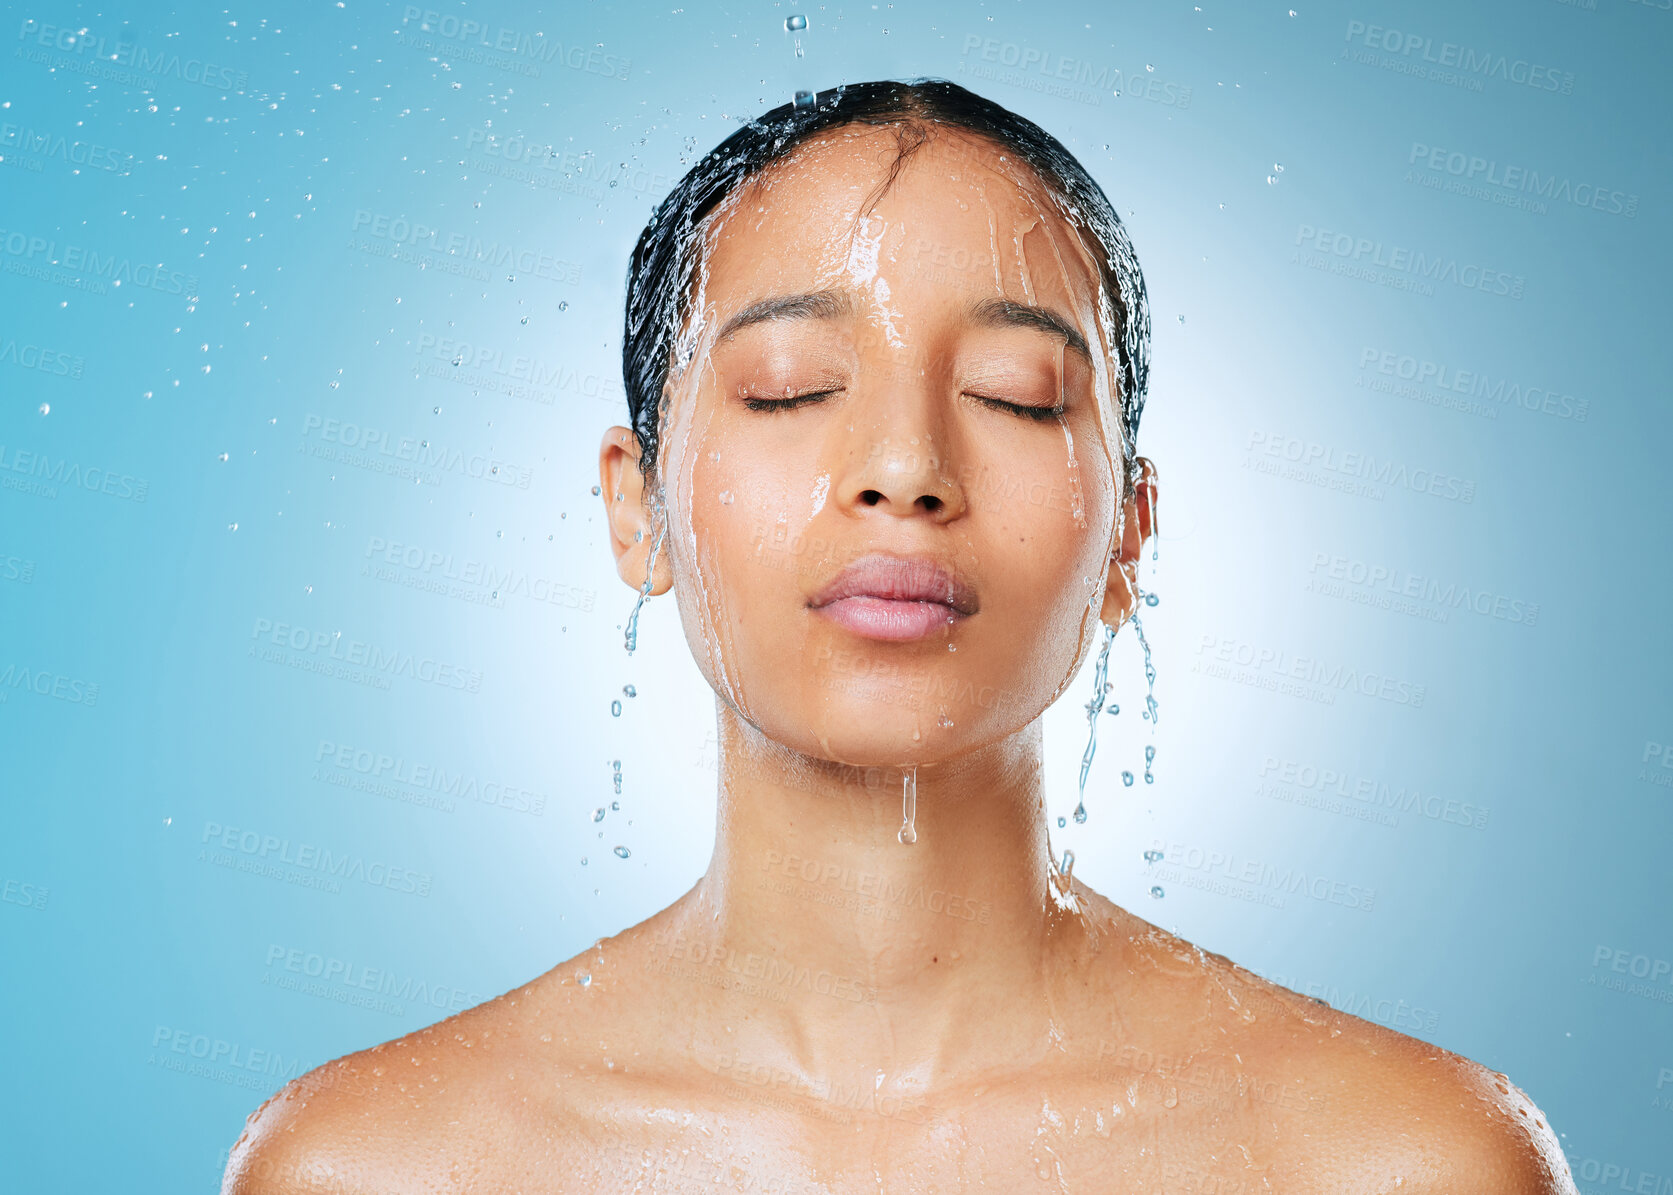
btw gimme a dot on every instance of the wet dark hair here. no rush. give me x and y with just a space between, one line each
661 272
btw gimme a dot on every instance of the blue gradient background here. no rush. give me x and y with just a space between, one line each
1499 942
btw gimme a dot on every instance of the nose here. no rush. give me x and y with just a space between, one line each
905 473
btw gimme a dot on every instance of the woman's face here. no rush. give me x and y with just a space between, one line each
891 498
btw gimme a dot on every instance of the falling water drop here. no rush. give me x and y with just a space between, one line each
598 814
632 635
1157 892
1151 599
795 23
1150 710
1066 869
1127 779
622 852
1153 856
630 691
615 709
1100 690
1149 758
909 808
1063 821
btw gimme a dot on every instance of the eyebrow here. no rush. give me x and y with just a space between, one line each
1005 313
819 304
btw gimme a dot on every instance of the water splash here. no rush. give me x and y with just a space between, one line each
1066 869
1149 671
632 637
1100 690
1149 758
909 808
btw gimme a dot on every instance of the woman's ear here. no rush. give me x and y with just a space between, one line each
1138 524
628 513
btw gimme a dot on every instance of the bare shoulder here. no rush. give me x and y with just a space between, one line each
438 1109
1356 1102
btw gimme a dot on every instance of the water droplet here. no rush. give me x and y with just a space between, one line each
584 980
1157 892
944 722
1127 779
596 491
583 861
1080 814
524 320
909 808
564 306
46 408
631 692
795 23
1061 822
223 456
598 814
1153 856
726 497
622 852
616 805
1149 69
1277 168
1182 319
615 709
806 99
1151 599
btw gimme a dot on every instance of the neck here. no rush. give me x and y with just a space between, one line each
861 950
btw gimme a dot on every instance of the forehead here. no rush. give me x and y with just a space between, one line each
958 215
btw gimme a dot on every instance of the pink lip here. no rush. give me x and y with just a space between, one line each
894 598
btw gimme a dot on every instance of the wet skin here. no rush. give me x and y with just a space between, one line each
829 1009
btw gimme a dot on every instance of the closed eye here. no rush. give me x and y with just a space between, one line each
1039 414
755 403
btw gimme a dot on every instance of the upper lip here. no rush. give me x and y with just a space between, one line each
899 579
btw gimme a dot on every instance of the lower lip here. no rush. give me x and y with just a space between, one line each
883 618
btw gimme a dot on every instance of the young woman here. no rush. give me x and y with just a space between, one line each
886 355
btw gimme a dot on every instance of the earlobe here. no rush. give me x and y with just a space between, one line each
633 526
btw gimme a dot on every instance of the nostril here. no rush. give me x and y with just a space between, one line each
871 497
931 502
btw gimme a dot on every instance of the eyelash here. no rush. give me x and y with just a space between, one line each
787 404
1037 414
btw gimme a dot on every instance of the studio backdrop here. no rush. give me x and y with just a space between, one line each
316 722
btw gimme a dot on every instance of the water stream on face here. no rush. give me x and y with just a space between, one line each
909 807
632 636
